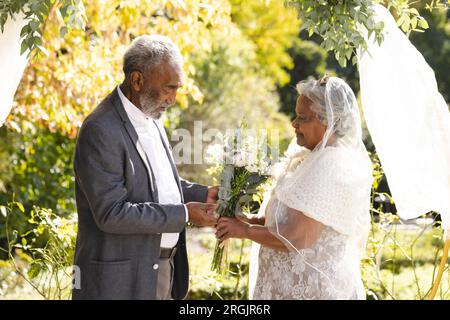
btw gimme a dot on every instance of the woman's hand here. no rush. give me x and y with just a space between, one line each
231 228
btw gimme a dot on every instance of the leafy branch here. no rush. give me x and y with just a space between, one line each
337 22
71 15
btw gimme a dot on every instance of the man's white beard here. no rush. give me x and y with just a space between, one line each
150 106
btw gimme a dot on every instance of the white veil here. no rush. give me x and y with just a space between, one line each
331 184
408 120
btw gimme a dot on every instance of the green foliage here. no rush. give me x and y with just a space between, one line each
434 44
49 268
310 60
272 29
398 254
207 284
37 170
36 12
59 89
337 23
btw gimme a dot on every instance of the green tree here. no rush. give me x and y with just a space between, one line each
434 44
272 28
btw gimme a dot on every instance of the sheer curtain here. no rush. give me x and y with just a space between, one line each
12 64
409 122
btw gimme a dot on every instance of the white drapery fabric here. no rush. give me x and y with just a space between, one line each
12 64
408 120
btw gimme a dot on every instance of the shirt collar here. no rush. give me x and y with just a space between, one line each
133 112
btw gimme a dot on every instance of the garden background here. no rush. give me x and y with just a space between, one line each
242 59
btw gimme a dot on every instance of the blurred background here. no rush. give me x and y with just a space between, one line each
242 61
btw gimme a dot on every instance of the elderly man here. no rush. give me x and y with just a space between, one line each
132 205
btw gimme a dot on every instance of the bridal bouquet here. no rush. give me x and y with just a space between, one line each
244 166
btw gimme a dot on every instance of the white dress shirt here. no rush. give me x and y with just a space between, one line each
150 140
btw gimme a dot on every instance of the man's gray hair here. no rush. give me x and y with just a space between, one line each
147 51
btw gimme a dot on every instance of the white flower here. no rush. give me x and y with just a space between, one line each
252 168
239 160
264 165
214 154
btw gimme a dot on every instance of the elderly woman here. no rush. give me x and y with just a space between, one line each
316 220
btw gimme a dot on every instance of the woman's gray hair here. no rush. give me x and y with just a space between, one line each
337 94
147 51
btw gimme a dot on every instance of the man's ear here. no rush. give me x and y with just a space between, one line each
137 81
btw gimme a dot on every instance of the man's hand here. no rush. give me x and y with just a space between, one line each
202 214
212 194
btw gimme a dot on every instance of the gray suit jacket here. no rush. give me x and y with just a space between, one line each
119 218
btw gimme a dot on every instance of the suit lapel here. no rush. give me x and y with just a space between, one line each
135 139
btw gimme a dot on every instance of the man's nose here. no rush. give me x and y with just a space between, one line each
170 100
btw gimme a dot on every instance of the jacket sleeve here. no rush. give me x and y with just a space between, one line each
99 170
193 192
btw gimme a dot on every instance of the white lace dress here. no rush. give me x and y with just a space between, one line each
319 273
329 269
